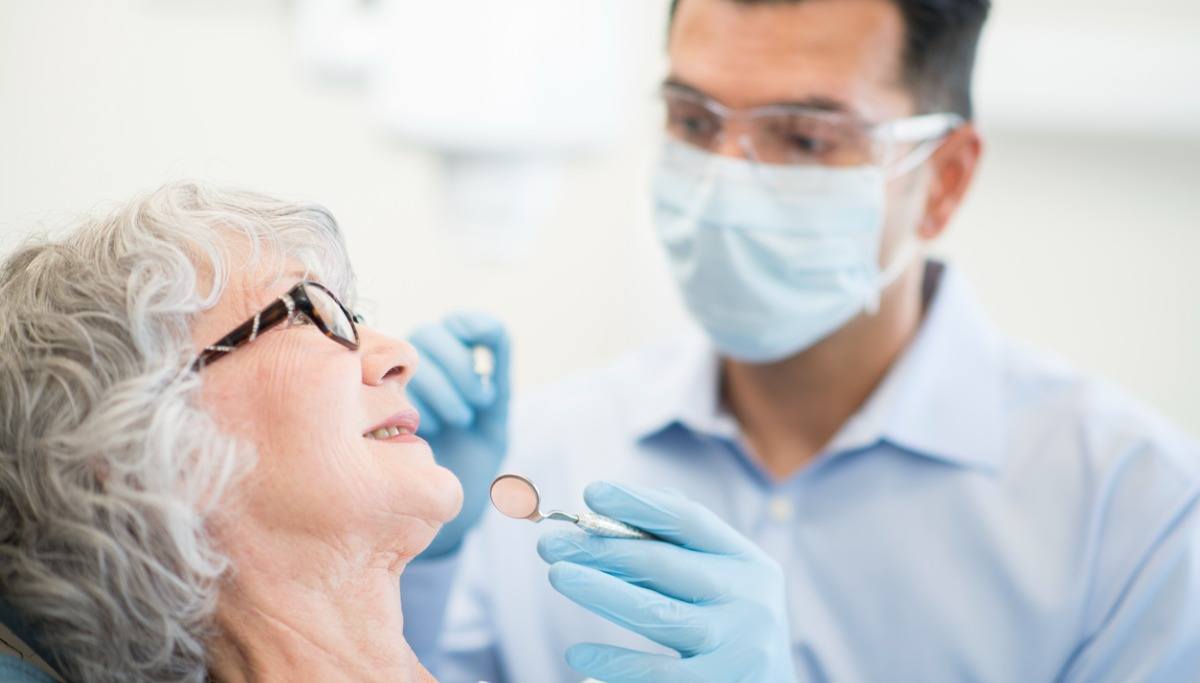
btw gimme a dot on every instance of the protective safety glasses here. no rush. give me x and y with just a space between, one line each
787 134
307 302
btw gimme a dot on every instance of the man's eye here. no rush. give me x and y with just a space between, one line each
695 125
691 126
358 318
808 145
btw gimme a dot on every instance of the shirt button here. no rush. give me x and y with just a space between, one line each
781 509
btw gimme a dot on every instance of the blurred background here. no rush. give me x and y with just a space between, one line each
516 182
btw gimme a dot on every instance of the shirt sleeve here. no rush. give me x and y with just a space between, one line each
15 670
467 650
1152 631
446 616
424 590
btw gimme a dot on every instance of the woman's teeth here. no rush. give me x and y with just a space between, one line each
384 433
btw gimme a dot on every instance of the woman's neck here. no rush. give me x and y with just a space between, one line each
275 624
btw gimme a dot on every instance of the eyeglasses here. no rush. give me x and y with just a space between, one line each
797 135
306 302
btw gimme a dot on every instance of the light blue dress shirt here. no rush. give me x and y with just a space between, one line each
20 661
13 669
988 515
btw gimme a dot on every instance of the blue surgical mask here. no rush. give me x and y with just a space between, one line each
771 259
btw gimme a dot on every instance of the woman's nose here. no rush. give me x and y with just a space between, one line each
386 359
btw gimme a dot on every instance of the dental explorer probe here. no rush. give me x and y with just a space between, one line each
516 496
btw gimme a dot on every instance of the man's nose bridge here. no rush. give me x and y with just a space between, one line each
735 139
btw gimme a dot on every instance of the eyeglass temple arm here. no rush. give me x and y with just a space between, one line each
920 128
280 310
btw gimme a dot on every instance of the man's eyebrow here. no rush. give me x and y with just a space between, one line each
817 102
674 82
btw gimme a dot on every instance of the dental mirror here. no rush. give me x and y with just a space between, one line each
516 496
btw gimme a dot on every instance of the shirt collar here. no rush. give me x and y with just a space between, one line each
684 391
942 399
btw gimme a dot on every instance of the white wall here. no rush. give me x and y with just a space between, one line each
1080 238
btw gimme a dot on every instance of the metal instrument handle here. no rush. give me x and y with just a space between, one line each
599 525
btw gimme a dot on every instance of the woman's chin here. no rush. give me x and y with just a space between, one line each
450 494
429 492
442 503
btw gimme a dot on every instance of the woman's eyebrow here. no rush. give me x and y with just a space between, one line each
296 276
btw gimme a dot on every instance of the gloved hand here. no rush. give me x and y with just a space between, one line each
704 591
464 421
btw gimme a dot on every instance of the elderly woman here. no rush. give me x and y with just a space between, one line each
208 465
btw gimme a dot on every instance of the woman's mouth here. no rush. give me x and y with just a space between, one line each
400 427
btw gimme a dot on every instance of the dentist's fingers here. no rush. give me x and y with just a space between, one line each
453 356
668 569
430 424
678 625
433 389
620 665
478 328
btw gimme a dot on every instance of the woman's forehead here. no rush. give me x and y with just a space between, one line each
249 289
257 272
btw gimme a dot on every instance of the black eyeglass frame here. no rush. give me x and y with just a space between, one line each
284 309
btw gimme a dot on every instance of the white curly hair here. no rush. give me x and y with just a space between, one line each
108 467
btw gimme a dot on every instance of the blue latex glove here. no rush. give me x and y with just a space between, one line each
705 591
464 421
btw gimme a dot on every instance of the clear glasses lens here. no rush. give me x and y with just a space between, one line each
688 120
807 139
779 137
332 315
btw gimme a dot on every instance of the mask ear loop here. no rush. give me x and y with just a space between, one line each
911 247
915 157
930 130
906 254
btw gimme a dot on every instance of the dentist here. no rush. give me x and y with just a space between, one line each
899 491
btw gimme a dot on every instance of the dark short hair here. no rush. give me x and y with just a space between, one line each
939 53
